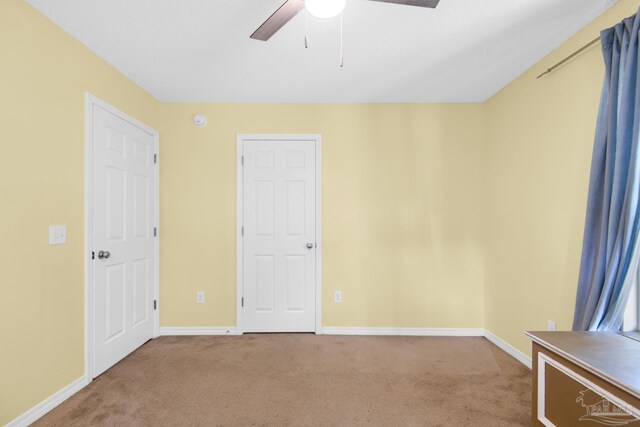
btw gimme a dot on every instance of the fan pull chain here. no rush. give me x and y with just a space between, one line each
306 29
341 44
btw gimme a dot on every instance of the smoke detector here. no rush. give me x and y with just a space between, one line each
200 120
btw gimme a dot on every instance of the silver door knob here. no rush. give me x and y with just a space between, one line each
309 245
104 255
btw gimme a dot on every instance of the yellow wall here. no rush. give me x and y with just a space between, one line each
401 211
43 76
537 162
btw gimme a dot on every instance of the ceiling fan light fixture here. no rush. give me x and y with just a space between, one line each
325 8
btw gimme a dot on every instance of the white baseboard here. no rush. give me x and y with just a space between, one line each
415 332
198 330
508 348
48 404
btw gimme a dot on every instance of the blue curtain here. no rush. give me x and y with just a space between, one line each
610 246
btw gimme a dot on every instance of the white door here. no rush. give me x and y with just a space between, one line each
279 242
123 233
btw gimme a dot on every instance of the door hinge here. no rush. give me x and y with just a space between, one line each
155 231
242 302
155 158
155 304
241 160
93 255
242 230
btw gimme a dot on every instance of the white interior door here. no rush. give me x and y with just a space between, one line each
279 241
123 233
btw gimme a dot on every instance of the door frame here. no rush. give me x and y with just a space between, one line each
90 101
240 139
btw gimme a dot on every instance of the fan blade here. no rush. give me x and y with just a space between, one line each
284 14
420 3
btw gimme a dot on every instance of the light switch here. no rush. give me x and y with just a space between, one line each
337 296
57 234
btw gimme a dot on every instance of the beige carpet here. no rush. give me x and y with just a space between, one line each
306 380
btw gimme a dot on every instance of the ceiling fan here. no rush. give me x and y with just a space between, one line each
319 9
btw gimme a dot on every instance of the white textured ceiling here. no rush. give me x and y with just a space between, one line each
200 51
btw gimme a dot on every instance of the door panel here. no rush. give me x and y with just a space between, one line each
115 192
264 206
114 301
279 221
295 200
123 221
141 288
141 207
295 279
265 283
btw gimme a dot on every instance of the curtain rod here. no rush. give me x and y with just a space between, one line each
577 52
586 46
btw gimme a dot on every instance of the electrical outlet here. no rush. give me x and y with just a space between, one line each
551 325
200 297
337 296
57 234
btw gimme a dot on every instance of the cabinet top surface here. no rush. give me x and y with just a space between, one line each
612 356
